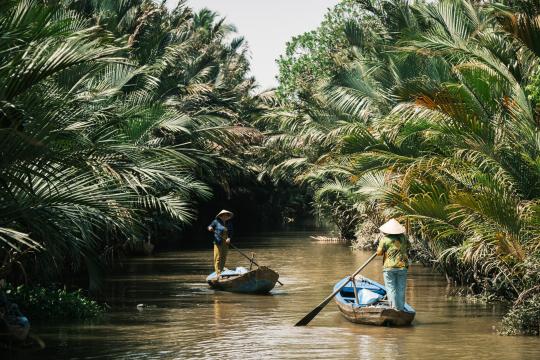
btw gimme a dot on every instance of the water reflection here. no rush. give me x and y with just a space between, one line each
190 321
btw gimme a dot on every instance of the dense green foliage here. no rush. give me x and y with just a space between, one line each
433 120
118 117
523 318
311 57
114 116
53 303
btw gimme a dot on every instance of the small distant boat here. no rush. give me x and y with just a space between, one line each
328 240
242 280
371 308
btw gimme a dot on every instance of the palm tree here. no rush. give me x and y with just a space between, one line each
110 114
437 104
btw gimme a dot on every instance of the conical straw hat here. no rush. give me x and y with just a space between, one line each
225 212
392 227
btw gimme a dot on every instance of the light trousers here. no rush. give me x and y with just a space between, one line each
395 281
220 256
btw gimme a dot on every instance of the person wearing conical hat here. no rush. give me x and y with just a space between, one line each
393 247
222 228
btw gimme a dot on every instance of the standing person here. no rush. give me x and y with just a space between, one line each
222 229
394 248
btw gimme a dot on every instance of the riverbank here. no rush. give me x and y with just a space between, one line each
191 321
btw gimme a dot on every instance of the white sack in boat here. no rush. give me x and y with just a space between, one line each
368 297
241 270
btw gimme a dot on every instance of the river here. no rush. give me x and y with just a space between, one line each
187 320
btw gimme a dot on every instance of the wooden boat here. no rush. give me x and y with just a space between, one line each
12 322
31 344
16 329
241 280
329 240
372 308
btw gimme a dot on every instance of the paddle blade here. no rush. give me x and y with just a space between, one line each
307 319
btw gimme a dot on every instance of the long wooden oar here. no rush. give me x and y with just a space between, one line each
306 319
250 259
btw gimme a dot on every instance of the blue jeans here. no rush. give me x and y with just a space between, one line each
395 281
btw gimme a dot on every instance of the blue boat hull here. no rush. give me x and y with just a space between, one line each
379 313
258 281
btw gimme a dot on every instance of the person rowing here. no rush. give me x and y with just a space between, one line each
394 247
222 228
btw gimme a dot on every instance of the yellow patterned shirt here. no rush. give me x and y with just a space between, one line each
395 249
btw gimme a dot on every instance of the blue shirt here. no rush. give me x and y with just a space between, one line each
221 230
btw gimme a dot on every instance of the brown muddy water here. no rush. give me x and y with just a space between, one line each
187 320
